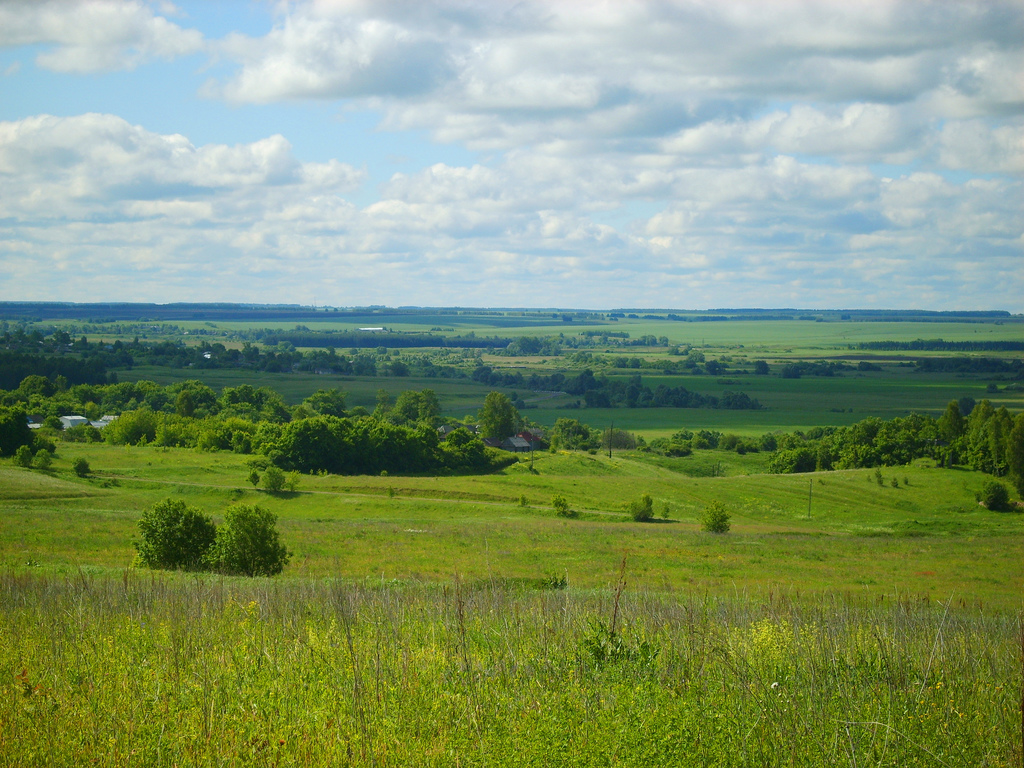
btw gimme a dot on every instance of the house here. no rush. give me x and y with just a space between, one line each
492 442
515 444
534 437
102 421
67 422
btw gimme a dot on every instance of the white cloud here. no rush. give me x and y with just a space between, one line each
95 36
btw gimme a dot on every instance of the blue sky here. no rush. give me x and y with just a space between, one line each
678 153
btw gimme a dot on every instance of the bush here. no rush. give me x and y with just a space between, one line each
81 467
248 544
715 519
175 536
562 507
273 479
642 510
23 456
43 459
995 496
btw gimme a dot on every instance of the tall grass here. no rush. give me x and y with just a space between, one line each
164 669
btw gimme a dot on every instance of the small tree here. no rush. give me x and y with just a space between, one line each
291 482
642 510
248 543
562 508
81 467
174 536
273 479
43 459
254 477
995 496
715 519
23 456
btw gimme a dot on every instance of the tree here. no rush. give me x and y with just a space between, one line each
642 510
248 543
43 459
81 467
715 519
995 496
562 508
174 536
23 456
761 368
327 402
14 431
273 479
499 417
570 434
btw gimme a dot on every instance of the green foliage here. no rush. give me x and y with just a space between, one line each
254 477
327 402
572 435
23 456
642 509
14 431
499 417
291 482
81 467
604 645
995 496
248 544
174 536
715 518
273 479
43 459
562 508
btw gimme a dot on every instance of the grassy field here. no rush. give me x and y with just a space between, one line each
150 670
438 621
927 536
444 621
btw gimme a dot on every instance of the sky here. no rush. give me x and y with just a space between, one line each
686 154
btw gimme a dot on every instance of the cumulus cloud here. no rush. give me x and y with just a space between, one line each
476 72
684 152
97 36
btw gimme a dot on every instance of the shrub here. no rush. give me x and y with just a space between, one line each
291 482
174 536
642 510
995 496
43 459
273 479
562 507
81 467
248 544
715 519
23 456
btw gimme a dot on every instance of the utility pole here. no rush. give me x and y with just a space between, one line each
611 434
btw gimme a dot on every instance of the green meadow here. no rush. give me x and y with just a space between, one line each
458 620
927 536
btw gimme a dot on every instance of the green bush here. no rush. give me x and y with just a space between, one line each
715 519
43 459
23 456
248 544
995 496
273 479
562 508
642 510
174 536
81 467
